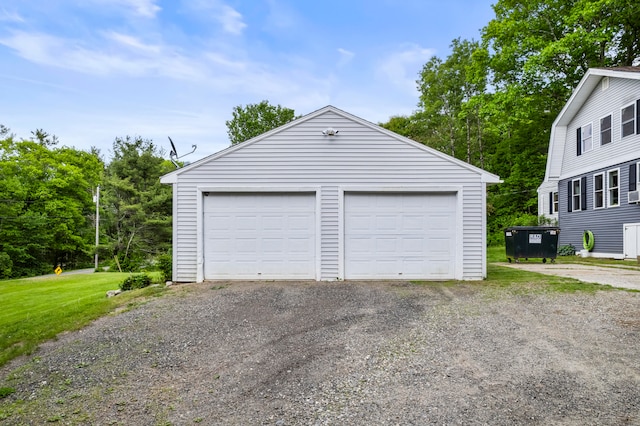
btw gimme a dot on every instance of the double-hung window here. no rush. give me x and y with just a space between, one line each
598 191
613 188
586 140
555 203
628 120
576 194
605 130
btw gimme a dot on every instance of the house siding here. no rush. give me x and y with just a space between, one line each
605 223
621 92
300 156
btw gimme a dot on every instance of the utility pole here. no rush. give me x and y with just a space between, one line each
97 201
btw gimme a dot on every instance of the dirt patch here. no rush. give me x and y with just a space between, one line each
342 353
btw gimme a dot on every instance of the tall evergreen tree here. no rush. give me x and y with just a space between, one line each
137 208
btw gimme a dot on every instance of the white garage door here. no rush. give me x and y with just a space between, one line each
259 236
399 235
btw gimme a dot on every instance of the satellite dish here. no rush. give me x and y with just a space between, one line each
173 154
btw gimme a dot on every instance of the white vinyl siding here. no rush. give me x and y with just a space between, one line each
300 156
622 93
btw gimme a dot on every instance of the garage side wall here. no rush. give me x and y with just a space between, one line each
301 155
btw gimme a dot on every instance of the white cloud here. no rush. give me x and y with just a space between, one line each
345 56
401 68
144 8
70 54
231 20
6 16
132 42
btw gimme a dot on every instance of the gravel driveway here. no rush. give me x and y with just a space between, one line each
386 353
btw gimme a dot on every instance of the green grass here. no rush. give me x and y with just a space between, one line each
498 254
33 310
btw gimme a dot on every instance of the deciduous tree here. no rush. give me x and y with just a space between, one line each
255 119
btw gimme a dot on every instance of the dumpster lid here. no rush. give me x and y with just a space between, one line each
532 228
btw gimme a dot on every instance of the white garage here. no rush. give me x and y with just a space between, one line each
399 235
329 196
259 235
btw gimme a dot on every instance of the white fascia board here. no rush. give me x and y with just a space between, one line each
169 178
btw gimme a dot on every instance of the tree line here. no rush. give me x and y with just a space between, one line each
492 102
48 210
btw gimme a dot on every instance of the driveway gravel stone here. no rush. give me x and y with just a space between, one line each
307 353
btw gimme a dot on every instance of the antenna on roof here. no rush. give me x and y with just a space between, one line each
173 154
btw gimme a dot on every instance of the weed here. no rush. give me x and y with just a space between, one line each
6 391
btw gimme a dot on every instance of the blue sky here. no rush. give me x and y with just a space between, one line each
91 70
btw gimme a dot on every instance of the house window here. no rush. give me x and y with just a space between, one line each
598 191
613 188
605 130
586 140
628 119
555 203
575 195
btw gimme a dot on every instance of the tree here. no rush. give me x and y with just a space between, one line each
256 119
45 213
137 207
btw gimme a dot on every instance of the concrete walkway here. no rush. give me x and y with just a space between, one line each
623 276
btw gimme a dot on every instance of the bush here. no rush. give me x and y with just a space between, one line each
136 281
567 250
165 266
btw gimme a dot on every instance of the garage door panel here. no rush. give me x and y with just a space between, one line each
399 235
386 246
413 246
259 235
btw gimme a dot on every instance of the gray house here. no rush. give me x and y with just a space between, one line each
329 196
593 166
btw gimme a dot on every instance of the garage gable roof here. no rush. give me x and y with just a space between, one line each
173 176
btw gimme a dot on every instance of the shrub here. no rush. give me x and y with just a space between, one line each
165 266
567 250
136 281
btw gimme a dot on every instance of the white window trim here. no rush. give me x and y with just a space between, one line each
555 202
582 138
574 196
603 190
608 188
633 104
638 176
600 129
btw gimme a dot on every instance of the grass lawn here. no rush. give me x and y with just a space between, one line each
33 310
